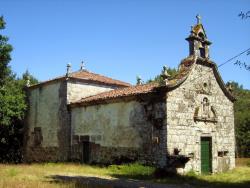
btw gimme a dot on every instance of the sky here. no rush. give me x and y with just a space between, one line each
122 38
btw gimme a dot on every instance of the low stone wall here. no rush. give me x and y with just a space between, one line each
223 164
107 155
42 154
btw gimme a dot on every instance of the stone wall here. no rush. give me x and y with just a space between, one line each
199 108
78 90
47 129
121 131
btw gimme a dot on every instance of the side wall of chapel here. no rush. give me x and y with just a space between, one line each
121 131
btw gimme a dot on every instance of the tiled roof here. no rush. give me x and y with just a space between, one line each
184 69
122 92
87 76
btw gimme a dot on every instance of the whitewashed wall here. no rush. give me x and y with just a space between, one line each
43 112
77 90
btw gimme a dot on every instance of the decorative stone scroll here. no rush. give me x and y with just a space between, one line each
205 112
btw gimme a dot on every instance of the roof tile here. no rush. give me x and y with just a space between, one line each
122 92
84 75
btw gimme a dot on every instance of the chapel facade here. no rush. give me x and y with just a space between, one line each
181 124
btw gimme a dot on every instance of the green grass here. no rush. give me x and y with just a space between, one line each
12 172
45 175
136 171
239 177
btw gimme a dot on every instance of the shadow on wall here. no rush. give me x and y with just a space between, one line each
129 181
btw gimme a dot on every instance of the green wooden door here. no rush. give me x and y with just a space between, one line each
206 155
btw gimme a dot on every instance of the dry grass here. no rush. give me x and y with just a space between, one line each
41 175
243 162
38 175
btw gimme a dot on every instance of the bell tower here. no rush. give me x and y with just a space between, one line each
198 43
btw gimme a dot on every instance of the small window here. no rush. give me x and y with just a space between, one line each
201 35
225 153
220 153
202 52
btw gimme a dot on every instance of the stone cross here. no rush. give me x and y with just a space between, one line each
198 19
82 67
139 80
28 81
164 74
68 69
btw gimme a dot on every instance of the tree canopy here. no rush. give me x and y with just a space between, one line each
159 79
5 50
242 120
13 103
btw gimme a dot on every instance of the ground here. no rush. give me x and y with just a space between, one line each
53 175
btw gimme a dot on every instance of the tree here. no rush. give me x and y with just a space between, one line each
159 79
5 50
12 104
242 120
27 76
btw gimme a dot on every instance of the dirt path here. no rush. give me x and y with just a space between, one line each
105 182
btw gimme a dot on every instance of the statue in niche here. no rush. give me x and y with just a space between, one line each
205 108
205 112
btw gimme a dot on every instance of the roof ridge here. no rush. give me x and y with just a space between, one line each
85 75
100 75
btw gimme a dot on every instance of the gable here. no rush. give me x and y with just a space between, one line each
200 72
201 95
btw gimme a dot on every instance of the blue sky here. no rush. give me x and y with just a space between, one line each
122 38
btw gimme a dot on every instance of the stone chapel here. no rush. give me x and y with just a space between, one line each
184 123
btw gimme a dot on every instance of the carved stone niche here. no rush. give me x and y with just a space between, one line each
205 112
204 88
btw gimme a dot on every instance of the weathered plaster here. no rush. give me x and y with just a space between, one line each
78 90
127 127
48 112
